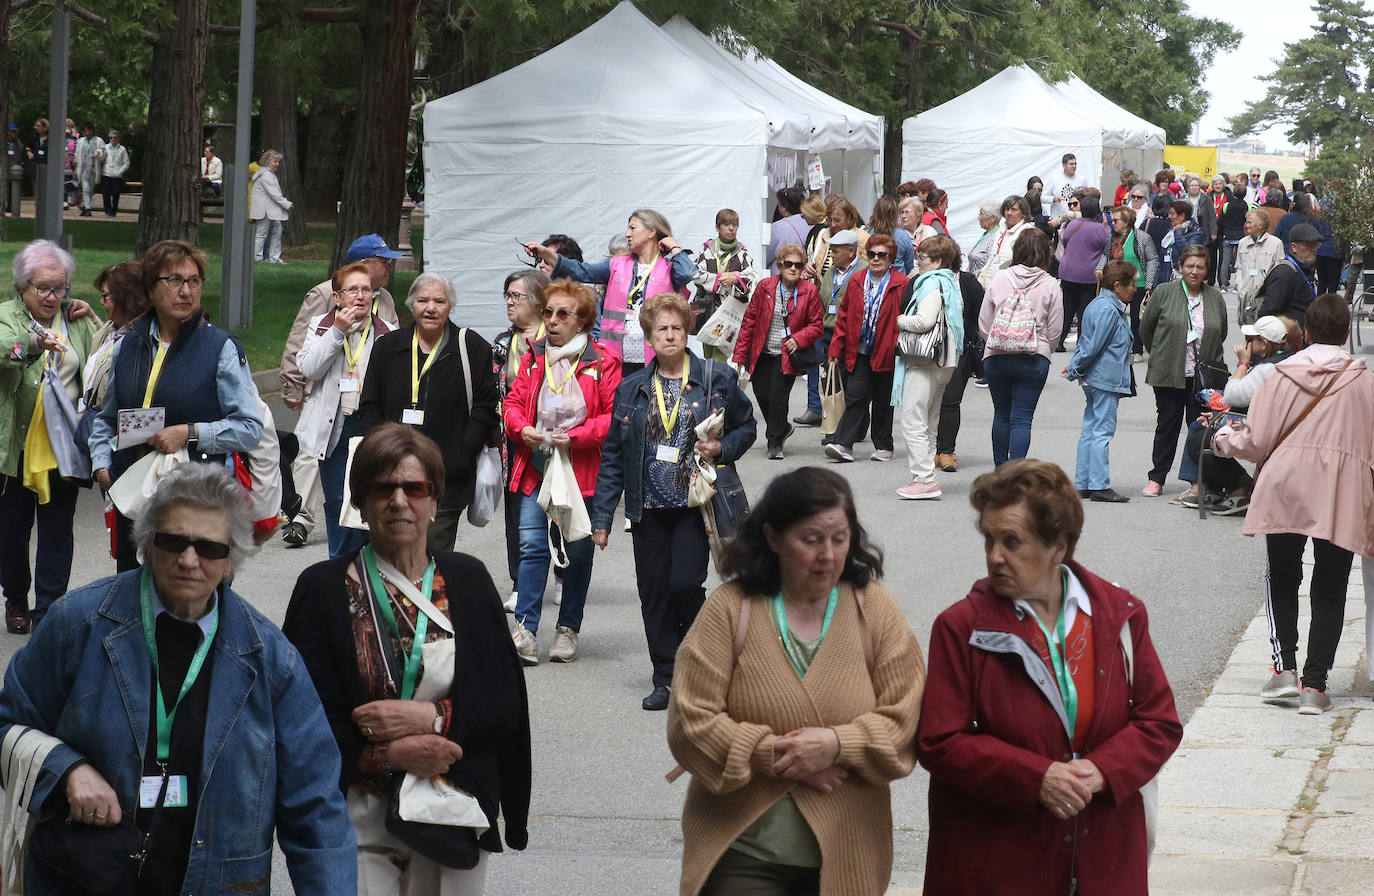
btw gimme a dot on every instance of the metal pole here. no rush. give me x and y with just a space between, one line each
48 217
236 275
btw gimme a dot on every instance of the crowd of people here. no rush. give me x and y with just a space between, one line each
411 694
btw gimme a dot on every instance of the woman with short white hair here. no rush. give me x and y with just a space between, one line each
268 208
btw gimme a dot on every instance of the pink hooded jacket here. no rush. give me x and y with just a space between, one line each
1045 294
1320 481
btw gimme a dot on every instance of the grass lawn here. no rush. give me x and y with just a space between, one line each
277 289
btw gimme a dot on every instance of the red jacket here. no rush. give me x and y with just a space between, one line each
598 373
844 343
987 735
804 321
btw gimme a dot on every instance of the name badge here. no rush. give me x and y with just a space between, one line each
666 453
553 400
413 416
348 383
834 309
178 796
1194 335
1254 272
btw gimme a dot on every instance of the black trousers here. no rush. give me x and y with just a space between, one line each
740 874
1172 407
867 395
1137 300
1222 474
1330 574
110 188
670 549
772 390
52 566
951 416
1328 274
1076 298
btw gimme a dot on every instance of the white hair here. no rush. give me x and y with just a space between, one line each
424 280
204 486
41 254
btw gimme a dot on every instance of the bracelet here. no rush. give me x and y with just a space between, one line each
839 748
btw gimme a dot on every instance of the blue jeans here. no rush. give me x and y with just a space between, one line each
534 570
1187 467
1099 425
1015 382
342 539
813 376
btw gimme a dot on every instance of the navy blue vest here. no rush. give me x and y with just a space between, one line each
187 386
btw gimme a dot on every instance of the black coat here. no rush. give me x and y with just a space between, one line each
1287 291
490 713
460 432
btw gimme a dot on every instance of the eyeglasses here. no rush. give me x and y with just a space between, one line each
924 257
51 292
355 291
1135 196
414 488
515 298
176 281
790 265
559 313
1073 205
177 544
875 255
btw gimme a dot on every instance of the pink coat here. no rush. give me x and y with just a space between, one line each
1320 481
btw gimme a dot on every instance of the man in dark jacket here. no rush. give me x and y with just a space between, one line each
1291 285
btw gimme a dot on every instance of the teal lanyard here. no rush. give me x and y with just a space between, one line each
1061 667
412 670
165 718
785 633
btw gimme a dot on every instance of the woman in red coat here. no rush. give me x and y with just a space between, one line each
774 348
865 342
1046 710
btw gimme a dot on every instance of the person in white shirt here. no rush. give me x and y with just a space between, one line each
212 173
1059 187
112 181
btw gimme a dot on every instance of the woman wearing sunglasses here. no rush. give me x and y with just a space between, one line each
242 754
436 377
558 410
780 326
407 692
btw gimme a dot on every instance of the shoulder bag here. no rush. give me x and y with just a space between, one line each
930 345
1013 327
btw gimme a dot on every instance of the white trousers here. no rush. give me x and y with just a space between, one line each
305 473
267 234
922 390
387 867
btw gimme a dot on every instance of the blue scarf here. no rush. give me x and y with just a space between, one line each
947 282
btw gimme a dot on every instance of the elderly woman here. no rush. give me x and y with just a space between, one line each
243 750
1184 330
989 216
865 344
1308 431
931 300
910 211
1016 361
656 263
1046 710
1083 243
1183 233
840 215
438 377
268 208
1130 245
559 411
725 270
124 300
1102 363
47 352
813 211
650 454
791 771
1016 220
781 324
405 690
174 360
334 361
524 295
1256 255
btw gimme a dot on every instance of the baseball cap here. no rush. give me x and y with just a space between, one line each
370 246
845 238
1268 327
1305 233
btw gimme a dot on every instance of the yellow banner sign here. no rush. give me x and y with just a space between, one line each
1199 160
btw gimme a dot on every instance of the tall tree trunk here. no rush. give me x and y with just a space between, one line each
374 176
324 130
176 109
278 129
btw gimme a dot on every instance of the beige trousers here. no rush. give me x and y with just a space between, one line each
387 867
922 390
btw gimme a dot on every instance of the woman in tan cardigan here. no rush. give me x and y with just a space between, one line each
790 769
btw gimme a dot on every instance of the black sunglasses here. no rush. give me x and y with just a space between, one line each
792 264
879 255
177 544
414 488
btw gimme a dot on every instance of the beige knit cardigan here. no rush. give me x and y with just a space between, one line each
725 715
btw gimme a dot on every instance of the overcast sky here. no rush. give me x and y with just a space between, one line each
1265 26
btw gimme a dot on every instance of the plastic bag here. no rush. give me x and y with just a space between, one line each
486 490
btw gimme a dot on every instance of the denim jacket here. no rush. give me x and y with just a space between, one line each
622 461
270 762
1102 359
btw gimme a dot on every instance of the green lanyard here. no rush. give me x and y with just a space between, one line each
165 718
788 640
417 648
1067 689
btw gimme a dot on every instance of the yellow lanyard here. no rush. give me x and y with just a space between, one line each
640 284
156 372
669 420
722 263
352 361
548 376
417 374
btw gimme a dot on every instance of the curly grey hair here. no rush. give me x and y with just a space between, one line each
41 254
207 487
424 280
992 208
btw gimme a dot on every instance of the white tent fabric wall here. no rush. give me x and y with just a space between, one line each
1128 141
986 143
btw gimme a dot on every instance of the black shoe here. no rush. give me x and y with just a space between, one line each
810 418
658 700
85 213
1108 496
791 431
16 619
1085 493
292 507
294 535
775 453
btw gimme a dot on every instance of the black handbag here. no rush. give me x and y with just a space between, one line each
731 504
805 358
450 846
1212 375
87 860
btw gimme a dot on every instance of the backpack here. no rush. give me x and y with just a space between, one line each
1248 304
1013 328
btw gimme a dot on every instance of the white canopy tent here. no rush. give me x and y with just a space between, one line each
986 143
1128 141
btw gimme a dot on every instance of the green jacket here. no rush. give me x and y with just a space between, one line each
1164 330
20 377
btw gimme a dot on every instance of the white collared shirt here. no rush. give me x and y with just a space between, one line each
203 622
1075 600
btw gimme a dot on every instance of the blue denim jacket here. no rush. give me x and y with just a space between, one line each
1102 359
622 460
270 761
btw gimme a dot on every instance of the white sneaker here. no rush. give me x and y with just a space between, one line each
557 592
526 646
564 648
881 455
509 605
839 453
